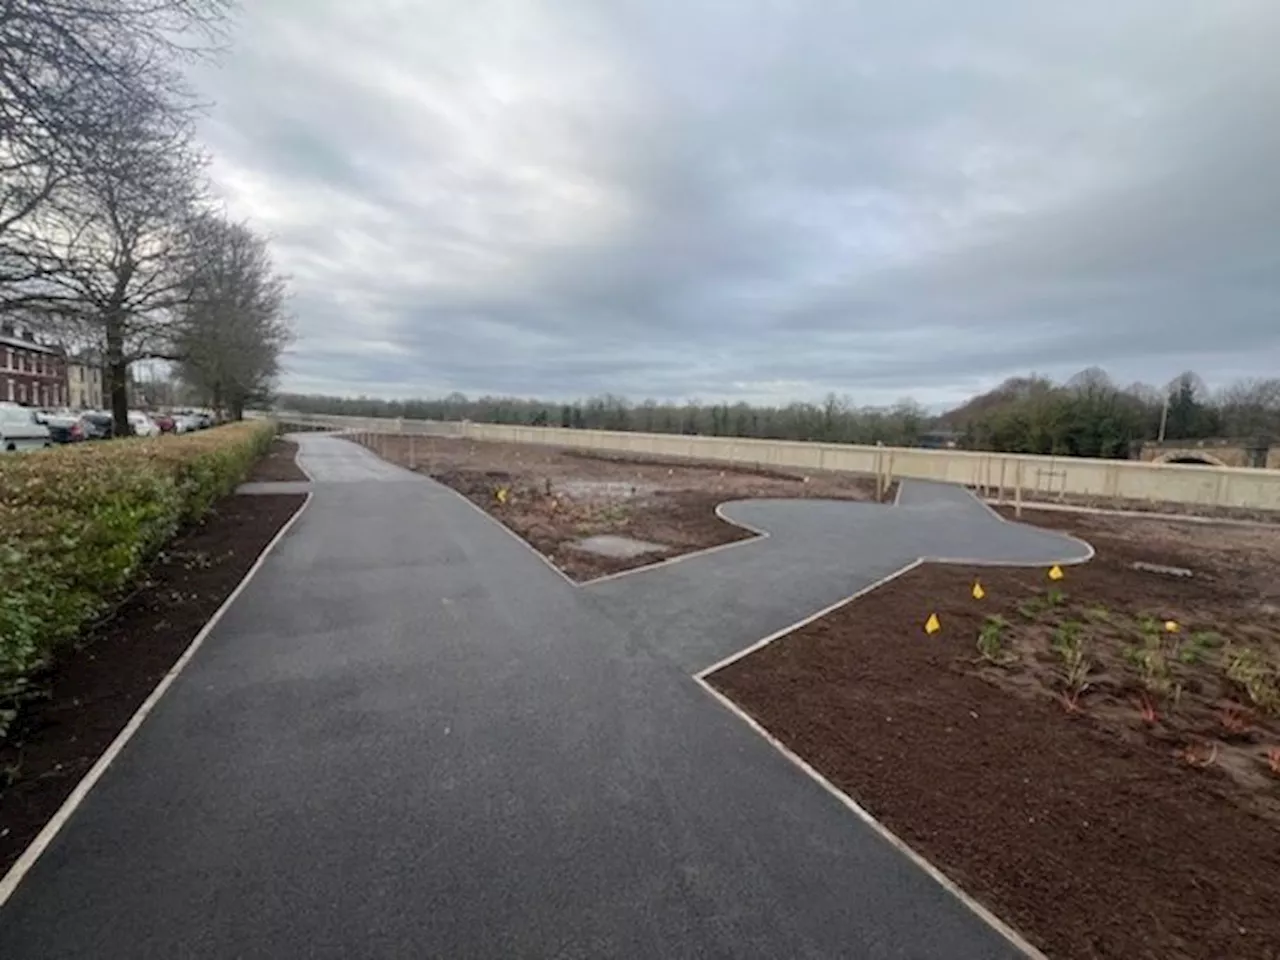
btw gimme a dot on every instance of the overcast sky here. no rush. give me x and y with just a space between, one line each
759 199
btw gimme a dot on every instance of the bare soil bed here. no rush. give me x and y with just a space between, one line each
553 497
279 463
1108 786
95 687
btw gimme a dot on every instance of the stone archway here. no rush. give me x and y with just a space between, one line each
1196 458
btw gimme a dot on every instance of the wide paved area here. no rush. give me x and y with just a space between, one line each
410 737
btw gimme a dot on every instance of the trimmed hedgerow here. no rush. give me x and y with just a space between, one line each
78 522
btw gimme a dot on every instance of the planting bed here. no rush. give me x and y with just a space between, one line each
1100 782
555 497
279 463
97 685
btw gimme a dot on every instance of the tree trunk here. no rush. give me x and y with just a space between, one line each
117 374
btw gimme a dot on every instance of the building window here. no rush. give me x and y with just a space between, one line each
22 393
11 389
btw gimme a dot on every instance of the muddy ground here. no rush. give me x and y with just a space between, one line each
1095 758
554 498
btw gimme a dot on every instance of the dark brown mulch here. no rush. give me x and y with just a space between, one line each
97 686
280 463
1092 838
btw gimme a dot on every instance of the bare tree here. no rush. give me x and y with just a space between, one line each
1251 408
233 325
66 68
117 254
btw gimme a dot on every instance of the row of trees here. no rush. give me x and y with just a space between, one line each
1090 416
1086 416
109 238
836 420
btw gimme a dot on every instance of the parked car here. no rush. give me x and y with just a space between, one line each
165 422
67 427
185 422
205 419
19 429
102 426
142 425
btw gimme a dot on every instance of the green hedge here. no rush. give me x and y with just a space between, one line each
78 522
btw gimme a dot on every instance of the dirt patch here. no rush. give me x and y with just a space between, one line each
279 463
96 686
1093 830
553 497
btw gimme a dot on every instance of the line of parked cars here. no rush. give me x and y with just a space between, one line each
26 428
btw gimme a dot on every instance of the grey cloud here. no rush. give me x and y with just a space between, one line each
759 200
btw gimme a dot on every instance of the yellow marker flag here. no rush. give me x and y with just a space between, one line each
932 625
501 494
1171 626
1055 572
978 592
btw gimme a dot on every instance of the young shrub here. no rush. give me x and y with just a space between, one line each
1251 672
1068 643
991 641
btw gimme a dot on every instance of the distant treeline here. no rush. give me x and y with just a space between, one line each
1086 416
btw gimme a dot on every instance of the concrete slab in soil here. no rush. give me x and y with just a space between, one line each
609 545
410 737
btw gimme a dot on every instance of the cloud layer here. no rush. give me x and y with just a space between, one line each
757 199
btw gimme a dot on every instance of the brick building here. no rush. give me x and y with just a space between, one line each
31 373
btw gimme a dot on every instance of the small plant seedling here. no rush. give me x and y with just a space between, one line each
1206 639
1069 645
1149 626
1099 613
1031 608
1199 754
1147 709
1234 719
991 641
1252 673
1056 596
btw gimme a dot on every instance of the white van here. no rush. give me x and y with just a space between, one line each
19 429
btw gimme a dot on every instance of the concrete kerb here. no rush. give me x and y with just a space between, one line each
1136 514
1015 939
37 847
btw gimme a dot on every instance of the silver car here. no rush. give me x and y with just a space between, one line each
19 429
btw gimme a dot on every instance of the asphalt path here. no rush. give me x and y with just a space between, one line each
410 737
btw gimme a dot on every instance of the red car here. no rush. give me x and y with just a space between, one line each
164 422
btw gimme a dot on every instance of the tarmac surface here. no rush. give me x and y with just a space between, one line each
411 737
